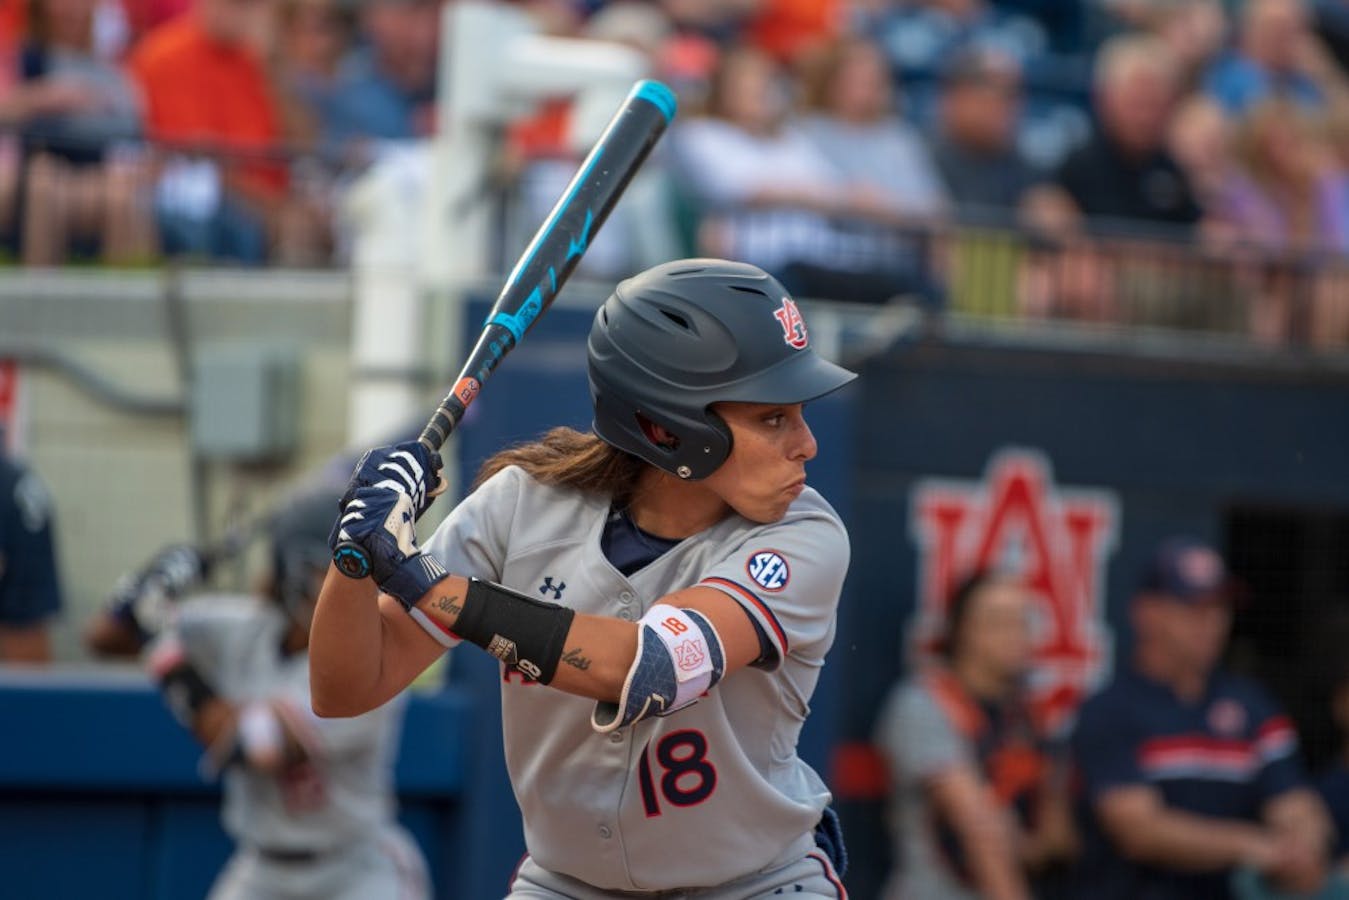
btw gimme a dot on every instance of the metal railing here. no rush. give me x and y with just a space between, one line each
1135 281
1115 276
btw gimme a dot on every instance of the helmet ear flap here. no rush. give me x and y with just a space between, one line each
698 448
719 426
695 461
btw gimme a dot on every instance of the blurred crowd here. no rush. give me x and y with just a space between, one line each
216 129
837 143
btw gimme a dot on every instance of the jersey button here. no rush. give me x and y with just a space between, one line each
626 596
615 737
605 832
625 614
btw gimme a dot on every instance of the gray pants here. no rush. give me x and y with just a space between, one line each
809 877
388 866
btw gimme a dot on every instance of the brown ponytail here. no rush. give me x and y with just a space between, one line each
565 457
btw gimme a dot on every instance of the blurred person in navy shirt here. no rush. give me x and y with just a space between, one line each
1191 774
975 147
30 591
1124 175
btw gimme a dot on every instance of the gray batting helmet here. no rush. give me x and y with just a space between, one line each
670 342
298 536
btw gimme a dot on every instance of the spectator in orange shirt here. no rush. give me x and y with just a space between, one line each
207 93
791 29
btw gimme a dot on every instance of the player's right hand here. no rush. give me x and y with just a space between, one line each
407 468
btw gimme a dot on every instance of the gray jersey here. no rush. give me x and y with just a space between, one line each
344 792
919 743
698 798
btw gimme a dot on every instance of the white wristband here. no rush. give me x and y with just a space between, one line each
260 734
443 637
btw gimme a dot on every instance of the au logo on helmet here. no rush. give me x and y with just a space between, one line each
793 326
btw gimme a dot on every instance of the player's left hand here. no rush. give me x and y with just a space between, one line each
381 520
408 468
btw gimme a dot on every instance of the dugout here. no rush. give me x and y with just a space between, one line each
1067 456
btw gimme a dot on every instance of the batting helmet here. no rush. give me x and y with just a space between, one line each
670 342
298 536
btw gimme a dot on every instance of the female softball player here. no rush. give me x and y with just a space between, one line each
670 577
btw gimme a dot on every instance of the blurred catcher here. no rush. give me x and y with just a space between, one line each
309 802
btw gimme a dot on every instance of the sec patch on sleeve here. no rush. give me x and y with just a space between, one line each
768 569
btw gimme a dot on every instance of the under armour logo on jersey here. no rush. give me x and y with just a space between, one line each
548 585
793 326
768 569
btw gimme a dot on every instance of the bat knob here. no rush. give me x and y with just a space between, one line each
351 560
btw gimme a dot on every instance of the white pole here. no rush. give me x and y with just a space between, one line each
423 214
387 346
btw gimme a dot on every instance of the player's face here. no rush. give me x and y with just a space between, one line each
1194 633
1204 628
766 470
997 632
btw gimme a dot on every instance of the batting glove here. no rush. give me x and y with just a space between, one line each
381 520
141 599
408 468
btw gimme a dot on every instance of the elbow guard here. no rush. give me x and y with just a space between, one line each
679 657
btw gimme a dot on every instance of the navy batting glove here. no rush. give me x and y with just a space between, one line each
381 521
408 468
140 599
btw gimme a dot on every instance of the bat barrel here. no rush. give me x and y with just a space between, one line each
558 245
548 261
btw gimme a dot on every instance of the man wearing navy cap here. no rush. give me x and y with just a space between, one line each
1190 772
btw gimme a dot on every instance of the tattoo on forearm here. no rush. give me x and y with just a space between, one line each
449 605
574 659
